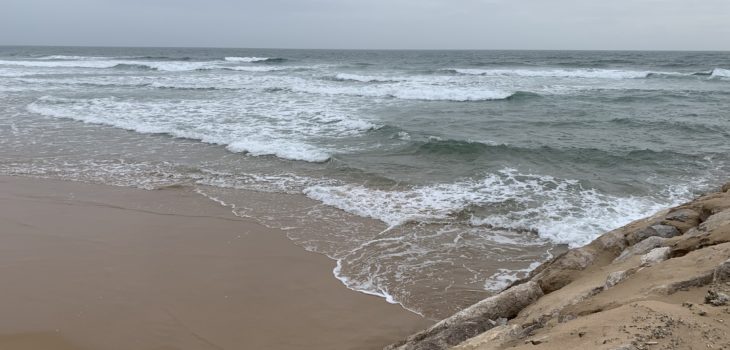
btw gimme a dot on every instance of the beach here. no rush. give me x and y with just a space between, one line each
98 267
432 179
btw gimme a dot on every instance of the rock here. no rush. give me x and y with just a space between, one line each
562 270
615 278
716 298
473 320
537 341
722 272
682 219
655 256
716 221
713 231
682 215
664 231
641 248
493 338
716 203
726 187
613 241
701 279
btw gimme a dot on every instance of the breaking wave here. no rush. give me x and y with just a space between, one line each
253 59
285 134
560 210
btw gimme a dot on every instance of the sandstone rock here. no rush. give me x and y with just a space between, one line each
716 221
640 248
613 241
473 320
715 230
493 338
562 270
716 204
716 298
537 341
664 231
615 278
655 256
682 219
699 280
722 272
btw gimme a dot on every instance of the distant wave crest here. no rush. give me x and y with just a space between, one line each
253 59
364 78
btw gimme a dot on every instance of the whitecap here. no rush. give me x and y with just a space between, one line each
247 59
557 73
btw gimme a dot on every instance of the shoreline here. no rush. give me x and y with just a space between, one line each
661 282
100 267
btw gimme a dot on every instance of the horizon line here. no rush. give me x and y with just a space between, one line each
350 49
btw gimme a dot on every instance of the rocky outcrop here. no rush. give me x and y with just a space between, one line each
473 320
679 250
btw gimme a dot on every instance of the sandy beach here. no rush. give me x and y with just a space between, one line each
97 267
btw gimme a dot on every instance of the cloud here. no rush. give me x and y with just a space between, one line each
437 24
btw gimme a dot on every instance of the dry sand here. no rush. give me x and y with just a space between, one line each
96 267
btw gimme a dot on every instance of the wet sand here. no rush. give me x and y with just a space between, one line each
98 267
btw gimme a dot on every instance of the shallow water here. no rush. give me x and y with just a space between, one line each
433 177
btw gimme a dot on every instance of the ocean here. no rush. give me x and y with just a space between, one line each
431 178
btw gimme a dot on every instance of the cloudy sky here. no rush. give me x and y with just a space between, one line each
368 24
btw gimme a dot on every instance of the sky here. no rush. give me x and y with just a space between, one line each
371 24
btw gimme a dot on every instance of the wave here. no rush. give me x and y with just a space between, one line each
408 92
554 73
257 68
284 133
681 126
134 66
437 150
98 58
364 78
587 73
66 57
253 59
167 65
280 148
102 64
560 210
720 73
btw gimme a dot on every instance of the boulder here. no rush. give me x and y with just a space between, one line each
716 298
641 248
494 337
615 278
655 256
473 320
562 270
682 219
722 273
664 231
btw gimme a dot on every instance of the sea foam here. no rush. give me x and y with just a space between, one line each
559 210
285 132
248 59
556 73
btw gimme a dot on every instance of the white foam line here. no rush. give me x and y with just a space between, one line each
390 299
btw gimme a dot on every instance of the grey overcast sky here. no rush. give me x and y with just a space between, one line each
370 24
